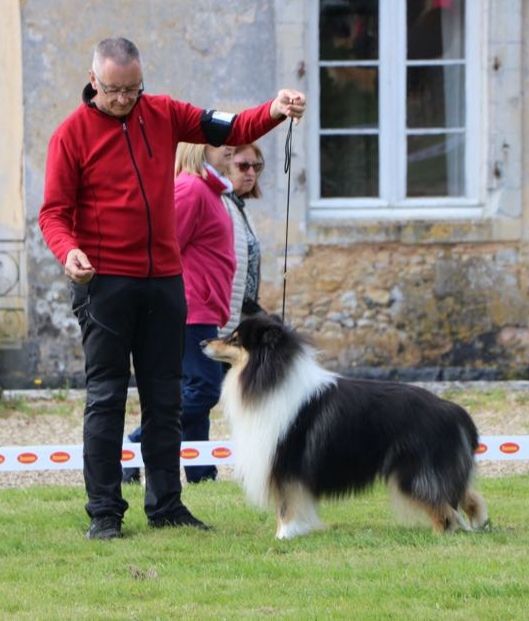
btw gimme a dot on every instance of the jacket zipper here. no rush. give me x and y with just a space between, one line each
142 188
144 134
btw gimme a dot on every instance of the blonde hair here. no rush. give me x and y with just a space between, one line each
190 158
255 192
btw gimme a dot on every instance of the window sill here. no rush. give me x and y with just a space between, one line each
405 226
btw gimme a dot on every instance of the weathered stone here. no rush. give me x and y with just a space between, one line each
446 311
349 300
378 297
511 336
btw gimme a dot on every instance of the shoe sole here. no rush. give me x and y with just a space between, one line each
199 526
104 535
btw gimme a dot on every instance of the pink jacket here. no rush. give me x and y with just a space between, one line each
204 233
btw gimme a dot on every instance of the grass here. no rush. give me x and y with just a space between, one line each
494 398
17 405
59 405
35 407
364 566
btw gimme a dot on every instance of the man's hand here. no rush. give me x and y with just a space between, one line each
78 268
288 103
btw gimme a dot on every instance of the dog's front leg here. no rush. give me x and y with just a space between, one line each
296 513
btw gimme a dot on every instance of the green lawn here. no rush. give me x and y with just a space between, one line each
365 566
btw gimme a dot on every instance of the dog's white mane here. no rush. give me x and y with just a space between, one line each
257 427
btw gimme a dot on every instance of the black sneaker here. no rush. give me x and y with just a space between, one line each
105 527
131 475
182 518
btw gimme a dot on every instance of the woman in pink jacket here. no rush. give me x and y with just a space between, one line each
205 235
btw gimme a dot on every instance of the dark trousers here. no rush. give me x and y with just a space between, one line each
202 378
145 318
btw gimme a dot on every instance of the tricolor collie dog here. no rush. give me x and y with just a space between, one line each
301 433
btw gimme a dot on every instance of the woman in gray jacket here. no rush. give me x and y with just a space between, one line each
246 165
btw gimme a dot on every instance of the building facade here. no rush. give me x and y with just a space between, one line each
408 213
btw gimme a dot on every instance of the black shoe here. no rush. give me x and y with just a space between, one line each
105 527
197 474
131 475
202 479
182 518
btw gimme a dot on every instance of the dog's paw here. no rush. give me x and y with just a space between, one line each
293 529
485 527
285 531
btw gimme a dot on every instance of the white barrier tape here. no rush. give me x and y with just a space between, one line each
70 457
502 448
220 452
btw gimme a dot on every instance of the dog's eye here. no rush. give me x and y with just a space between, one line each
234 339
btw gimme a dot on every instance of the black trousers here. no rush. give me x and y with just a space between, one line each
143 317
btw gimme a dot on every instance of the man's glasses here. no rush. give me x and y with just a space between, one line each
245 166
131 92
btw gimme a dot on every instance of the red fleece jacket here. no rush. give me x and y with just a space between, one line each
109 183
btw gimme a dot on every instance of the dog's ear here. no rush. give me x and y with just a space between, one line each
272 334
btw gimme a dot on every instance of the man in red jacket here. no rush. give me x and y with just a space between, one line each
108 216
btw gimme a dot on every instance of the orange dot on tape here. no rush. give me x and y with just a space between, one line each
221 452
60 457
27 458
482 448
189 453
127 455
2 459
509 448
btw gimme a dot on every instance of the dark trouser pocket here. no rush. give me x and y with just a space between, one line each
80 296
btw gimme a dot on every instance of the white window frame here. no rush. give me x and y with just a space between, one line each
392 203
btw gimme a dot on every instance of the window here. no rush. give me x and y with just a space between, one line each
396 127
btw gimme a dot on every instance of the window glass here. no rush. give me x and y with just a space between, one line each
348 97
436 96
348 29
349 166
436 165
435 29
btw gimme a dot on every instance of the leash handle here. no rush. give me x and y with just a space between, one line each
286 168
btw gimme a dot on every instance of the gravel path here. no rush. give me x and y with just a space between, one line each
30 421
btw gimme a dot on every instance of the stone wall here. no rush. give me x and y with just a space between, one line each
436 311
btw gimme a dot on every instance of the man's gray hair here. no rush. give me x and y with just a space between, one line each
120 50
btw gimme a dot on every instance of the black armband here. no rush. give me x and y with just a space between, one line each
216 126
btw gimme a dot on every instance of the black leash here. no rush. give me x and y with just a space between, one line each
286 168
